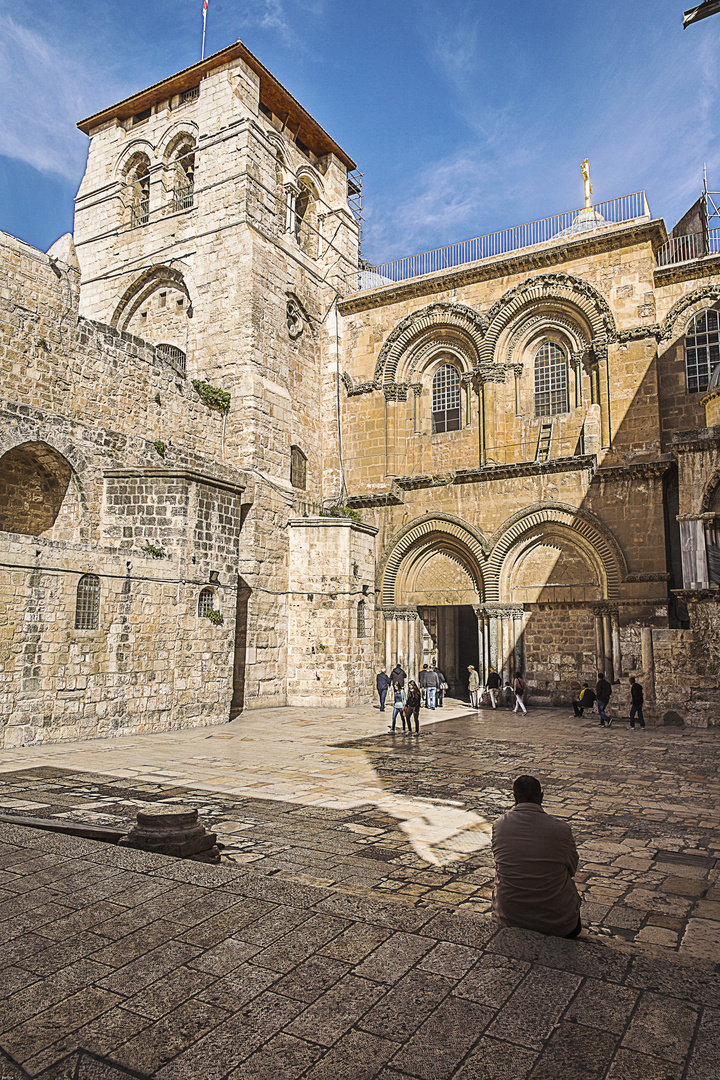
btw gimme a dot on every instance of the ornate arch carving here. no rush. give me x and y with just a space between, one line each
709 293
709 492
546 289
137 148
424 323
146 283
571 330
443 531
585 527
174 135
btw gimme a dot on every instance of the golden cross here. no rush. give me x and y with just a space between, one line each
585 170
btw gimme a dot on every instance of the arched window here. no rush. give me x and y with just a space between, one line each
702 350
206 602
551 382
361 618
173 355
298 468
87 606
446 399
183 166
306 219
137 181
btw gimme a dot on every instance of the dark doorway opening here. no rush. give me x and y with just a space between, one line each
454 634
241 620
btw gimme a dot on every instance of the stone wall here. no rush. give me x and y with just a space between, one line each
330 655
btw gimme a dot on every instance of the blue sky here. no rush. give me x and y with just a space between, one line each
465 117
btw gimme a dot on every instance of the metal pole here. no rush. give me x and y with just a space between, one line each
205 7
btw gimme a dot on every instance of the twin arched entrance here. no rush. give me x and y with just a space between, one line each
453 597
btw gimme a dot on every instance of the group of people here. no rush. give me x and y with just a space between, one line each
428 691
600 697
512 695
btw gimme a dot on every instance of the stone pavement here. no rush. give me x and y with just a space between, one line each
346 934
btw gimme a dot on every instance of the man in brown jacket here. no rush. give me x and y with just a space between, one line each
535 862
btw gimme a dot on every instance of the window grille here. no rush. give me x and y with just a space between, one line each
702 350
446 400
206 602
190 95
173 355
184 187
361 618
87 606
298 468
140 117
551 389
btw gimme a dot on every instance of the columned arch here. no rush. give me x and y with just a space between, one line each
424 537
587 533
460 324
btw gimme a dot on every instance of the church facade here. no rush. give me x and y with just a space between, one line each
241 469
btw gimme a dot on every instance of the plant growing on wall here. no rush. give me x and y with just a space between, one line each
340 512
215 617
156 552
212 396
160 447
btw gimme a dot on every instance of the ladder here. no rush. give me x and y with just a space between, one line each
544 440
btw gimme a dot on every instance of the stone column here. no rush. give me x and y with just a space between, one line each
648 663
412 649
599 641
291 194
607 641
482 670
617 654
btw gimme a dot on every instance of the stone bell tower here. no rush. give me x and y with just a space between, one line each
213 221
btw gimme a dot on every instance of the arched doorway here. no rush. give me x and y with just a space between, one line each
432 585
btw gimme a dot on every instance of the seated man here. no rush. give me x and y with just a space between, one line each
535 861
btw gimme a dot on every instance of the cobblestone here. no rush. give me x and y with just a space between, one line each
289 967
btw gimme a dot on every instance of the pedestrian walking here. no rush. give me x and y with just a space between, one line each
519 688
422 680
636 704
603 691
412 708
433 685
586 700
399 700
473 686
383 685
442 688
493 685
397 675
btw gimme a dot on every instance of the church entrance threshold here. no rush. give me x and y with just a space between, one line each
450 637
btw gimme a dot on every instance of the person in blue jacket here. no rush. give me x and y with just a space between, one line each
383 684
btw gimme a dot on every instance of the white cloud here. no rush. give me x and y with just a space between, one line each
44 93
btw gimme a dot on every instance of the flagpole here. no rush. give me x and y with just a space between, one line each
205 7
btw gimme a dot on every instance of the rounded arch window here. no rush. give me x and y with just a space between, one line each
702 350
551 380
361 631
183 166
298 468
137 189
446 414
87 604
206 602
306 219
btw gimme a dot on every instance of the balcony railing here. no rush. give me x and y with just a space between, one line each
681 249
560 227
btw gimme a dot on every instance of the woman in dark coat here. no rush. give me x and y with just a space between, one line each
412 708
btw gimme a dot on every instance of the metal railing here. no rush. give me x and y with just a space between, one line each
568 226
680 249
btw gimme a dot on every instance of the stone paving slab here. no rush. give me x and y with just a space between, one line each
346 933
329 997
292 799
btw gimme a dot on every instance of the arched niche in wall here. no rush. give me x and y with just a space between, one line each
39 494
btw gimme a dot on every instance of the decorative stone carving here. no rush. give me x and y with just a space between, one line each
356 391
435 315
709 293
172 831
396 392
294 318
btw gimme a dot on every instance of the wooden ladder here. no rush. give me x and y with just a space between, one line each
544 440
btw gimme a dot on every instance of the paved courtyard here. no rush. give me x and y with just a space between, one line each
346 932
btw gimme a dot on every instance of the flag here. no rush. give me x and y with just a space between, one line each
205 3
